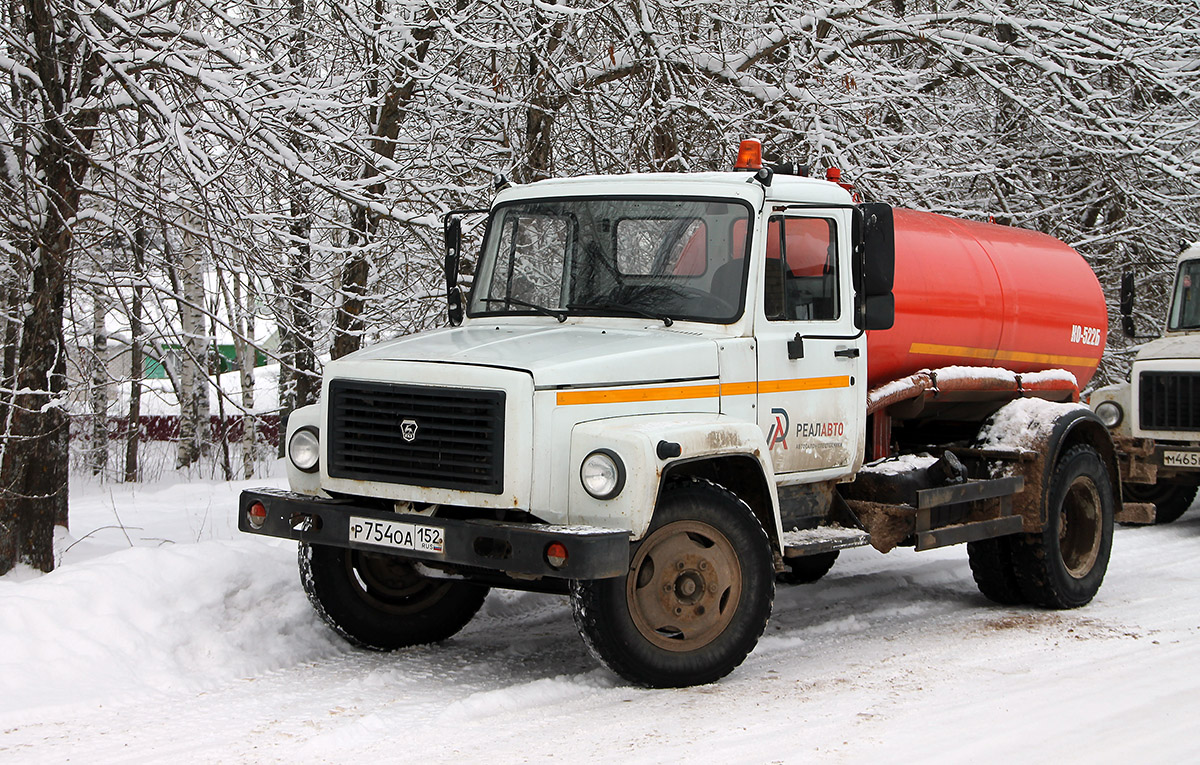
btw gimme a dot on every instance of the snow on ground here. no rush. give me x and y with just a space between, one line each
158 396
163 635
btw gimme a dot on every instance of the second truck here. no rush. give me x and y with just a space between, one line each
665 393
1155 416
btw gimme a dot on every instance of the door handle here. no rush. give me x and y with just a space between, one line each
847 353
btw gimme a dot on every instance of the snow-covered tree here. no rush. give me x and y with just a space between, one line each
315 146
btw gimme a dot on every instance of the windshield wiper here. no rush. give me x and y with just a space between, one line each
608 305
560 315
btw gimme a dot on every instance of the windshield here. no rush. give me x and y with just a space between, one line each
1185 307
663 259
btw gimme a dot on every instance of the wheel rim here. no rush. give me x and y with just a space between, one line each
684 585
392 584
1080 527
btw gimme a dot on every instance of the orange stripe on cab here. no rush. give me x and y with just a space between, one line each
629 395
806 383
684 392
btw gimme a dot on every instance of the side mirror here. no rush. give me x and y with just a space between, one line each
875 267
879 249
1126 299
879 312
454 307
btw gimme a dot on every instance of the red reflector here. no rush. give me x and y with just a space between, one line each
556 555
257 514
749 155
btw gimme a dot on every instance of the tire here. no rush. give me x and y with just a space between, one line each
381 602
1171 500
992 567
696 598
1064 565
807 569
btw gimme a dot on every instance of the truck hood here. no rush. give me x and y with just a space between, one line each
557 355
1171 347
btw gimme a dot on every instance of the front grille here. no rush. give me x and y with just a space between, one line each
1169 400
457 435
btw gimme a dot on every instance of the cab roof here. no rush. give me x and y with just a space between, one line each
783 188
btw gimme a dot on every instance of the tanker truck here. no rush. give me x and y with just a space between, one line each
1155 415
666 393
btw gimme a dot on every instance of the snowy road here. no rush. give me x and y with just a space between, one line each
206 651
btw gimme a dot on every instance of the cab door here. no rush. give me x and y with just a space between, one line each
811 357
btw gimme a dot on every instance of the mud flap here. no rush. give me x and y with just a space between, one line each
1136 514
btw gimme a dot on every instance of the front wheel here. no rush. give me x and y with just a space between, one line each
382 602
1064 565
807 568
695 600
1170 500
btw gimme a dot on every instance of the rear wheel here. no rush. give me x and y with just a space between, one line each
696 597
992 567
1064 565
1170 500
382 602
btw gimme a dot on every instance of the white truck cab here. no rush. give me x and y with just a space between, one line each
622 342
1155 416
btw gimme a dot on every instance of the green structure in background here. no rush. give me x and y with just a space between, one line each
225 360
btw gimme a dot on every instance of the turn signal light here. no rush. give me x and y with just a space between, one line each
749 155
257 514
556 554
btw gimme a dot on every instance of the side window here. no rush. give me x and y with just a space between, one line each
800 278
1185 310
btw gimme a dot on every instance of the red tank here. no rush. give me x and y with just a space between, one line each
978 294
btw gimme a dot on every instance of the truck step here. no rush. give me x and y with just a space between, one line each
821 540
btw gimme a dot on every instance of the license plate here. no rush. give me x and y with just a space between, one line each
404 536
1181 459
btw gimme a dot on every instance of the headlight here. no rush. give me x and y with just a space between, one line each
602 474
1110 413
304 449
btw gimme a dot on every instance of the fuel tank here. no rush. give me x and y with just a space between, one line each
979 294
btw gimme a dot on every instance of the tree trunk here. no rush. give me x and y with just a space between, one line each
13 299
348 324
98 393
35 456
242 321
193 358
215 368
296 348
34 464
299 382
133 433
544 99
